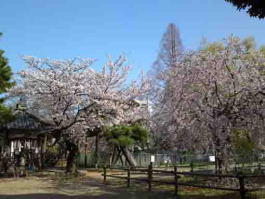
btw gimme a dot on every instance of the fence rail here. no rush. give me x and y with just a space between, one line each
177 175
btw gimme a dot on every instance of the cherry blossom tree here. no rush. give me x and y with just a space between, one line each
75 98
217 90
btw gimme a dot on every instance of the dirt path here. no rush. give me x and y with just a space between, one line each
46 186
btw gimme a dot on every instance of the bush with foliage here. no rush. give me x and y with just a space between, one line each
244 147
122 138
126 136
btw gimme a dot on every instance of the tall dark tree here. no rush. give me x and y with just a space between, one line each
170 53
5 83
255 8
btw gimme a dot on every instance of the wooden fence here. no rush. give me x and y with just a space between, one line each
150 171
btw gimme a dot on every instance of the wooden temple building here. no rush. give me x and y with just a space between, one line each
26 136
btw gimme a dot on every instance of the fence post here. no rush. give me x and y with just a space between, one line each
176 180
242 187
150 176
235 169
104 174
128 176
259 167
191 167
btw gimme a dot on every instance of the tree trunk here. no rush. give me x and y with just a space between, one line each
115 155
96 151
85 155
71 158
129 157
220 159
215 163
112 156
120 156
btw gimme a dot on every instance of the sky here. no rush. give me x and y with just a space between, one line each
64 29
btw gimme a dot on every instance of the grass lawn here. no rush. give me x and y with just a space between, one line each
46 185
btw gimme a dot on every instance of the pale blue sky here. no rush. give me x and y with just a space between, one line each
95 28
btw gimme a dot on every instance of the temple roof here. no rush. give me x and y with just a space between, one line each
26 122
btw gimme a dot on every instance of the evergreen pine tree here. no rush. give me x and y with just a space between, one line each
5 83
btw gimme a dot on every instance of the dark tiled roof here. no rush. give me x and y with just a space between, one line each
25 121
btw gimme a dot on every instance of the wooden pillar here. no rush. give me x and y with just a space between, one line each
128 177
85 159
259 167
150 176
43 143
191 167
242 187
104 174
176 181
